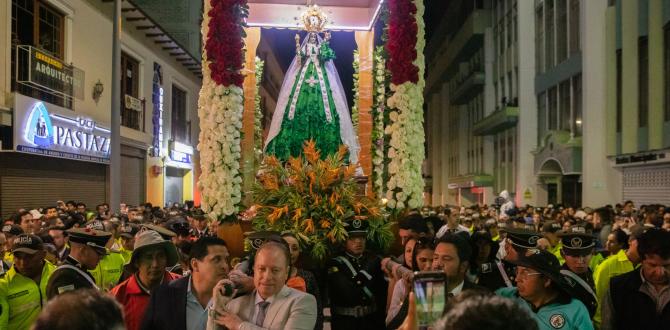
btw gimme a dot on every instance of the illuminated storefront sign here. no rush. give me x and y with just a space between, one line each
180 152
49 130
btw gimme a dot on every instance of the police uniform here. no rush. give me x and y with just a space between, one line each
500 273
10 231
563 312
577 242
199 215
554 227
357 288
72 275
128 230
21 298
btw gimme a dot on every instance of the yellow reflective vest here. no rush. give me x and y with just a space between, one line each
612 266
108 271
21 299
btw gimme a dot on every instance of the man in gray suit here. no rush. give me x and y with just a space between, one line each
272 305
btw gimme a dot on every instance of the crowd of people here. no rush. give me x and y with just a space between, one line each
506 267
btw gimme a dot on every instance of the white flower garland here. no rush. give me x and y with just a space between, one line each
354 108
406 151
378 129
220 112
258 113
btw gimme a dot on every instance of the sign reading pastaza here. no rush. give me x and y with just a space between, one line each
49 130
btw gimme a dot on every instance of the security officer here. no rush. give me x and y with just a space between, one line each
128 232
87 249
550 232
501 272
543 291
10 231
356 283
23 288
199 222
108 271
577 249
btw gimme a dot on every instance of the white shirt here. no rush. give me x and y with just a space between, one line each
258 300
457 290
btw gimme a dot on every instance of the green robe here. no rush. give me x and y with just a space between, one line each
310 120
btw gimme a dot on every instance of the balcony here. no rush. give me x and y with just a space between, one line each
467 87
133 113
498 121
462 44
470 180
40 75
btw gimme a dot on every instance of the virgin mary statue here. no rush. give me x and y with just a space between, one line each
312 104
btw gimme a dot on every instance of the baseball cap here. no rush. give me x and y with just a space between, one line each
12 229
26 243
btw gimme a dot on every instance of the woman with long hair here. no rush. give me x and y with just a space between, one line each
421 259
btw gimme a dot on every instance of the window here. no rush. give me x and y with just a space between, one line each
180 124
575 44
643 82
552 106
577 103
539 39
541 117
549 40
131 116
619 91
561 30
666 67
564 105
37 24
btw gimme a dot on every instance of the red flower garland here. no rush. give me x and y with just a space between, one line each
225 41
401 45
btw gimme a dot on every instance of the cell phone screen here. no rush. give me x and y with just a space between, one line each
430 296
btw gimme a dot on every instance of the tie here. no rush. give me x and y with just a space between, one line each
262 308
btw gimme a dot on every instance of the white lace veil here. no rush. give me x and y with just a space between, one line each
347 134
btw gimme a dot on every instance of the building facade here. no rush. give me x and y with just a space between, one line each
575 103
55 99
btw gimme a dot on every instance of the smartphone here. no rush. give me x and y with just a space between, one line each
430 296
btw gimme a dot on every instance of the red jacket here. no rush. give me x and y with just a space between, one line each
135 300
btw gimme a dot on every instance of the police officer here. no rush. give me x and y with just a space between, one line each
108 271
199 222
87 249
543 292
501 272
356 283
22 289
577 250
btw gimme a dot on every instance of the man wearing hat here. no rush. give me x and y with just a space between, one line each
501 272
199 223
87 247
356 283
23 288
543 291
128 232
11 231
109 269
551 242
577 250
152 254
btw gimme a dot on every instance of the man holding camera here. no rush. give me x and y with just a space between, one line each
272 305
356 284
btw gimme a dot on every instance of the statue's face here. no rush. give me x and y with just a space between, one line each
312 38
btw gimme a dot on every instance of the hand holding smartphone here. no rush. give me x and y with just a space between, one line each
430 296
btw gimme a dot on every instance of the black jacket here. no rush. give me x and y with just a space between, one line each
633 309
167 308
67 279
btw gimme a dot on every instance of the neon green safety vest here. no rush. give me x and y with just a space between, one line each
22 299
108 271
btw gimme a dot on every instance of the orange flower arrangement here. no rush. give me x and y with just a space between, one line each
313 198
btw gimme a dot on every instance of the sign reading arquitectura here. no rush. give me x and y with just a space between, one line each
45 129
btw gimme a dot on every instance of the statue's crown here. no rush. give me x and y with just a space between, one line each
314 19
